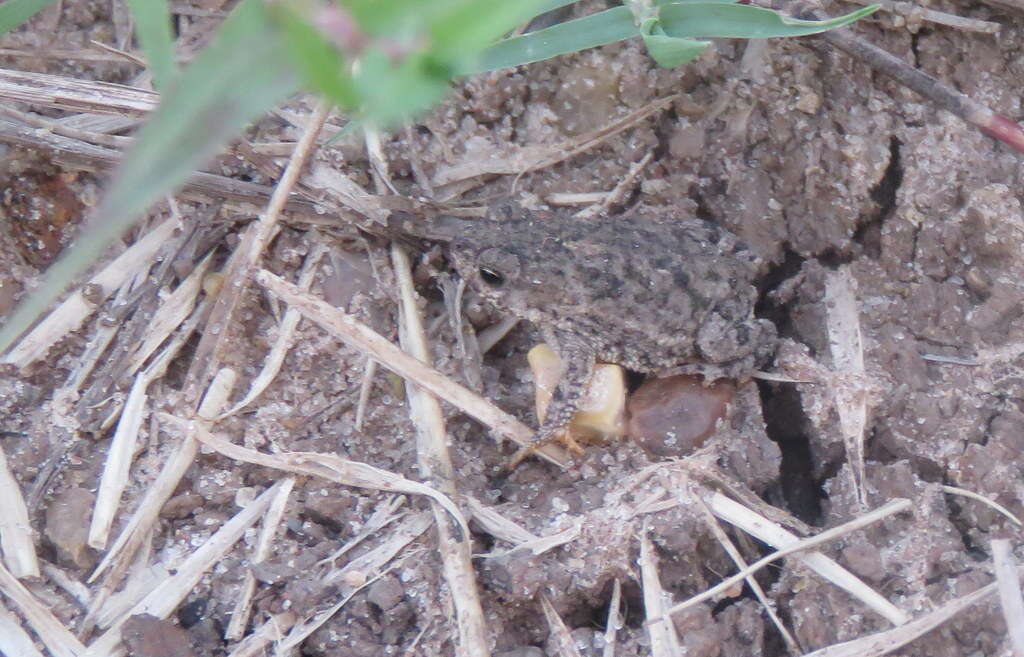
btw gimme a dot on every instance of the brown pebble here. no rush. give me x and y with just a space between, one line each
149 636
676 415
181 506
67 526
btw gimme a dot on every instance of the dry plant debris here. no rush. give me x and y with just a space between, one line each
134 578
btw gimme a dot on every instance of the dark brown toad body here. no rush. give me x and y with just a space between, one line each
648 295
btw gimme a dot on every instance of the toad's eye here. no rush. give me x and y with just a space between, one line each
497 267
491 277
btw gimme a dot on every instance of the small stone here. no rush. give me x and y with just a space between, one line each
385 593
181 506
67 526
149 636
676 415
864 560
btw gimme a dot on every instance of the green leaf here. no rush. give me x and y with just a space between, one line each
715 19
16 12
669 52
597 29
237 78
391 92
468 28
153 27
321 65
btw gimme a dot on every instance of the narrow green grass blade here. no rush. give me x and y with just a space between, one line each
15 12
597 29
471 26
238 77
153 28
669 52
321 64
714 19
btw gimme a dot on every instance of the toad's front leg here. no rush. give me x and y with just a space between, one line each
578 359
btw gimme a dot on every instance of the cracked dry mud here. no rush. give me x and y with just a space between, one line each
815 163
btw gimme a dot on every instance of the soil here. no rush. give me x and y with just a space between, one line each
818 163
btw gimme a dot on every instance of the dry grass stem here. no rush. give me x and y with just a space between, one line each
165 598
58 640
956 490
504 529
385 513
575 198
614 623
58 128
14 641
660 629
327 466
620 190
301 631
137 586
78 155
884 643
19 552
174 310
528 159
73 95
101 337
564 644
236 273
787 543
365 389
335 188
268 530
368 567
117 466
361 337
272 631
849 386
70 314
496 524
73 587
741 563
285 335
495 333
118 558
372 562
435 466
1008 583
917 13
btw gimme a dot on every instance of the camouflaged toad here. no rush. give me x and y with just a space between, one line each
647 294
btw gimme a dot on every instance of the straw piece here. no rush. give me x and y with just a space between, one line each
741 563
883 643
361 337
120 554
849 390
14 641
777 536
327 466
58 640
70 314
268 530
564 644
15 528
435 465
614 623
285 335
660 629
165 598
1012 602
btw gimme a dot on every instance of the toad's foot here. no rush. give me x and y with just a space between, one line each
562 435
